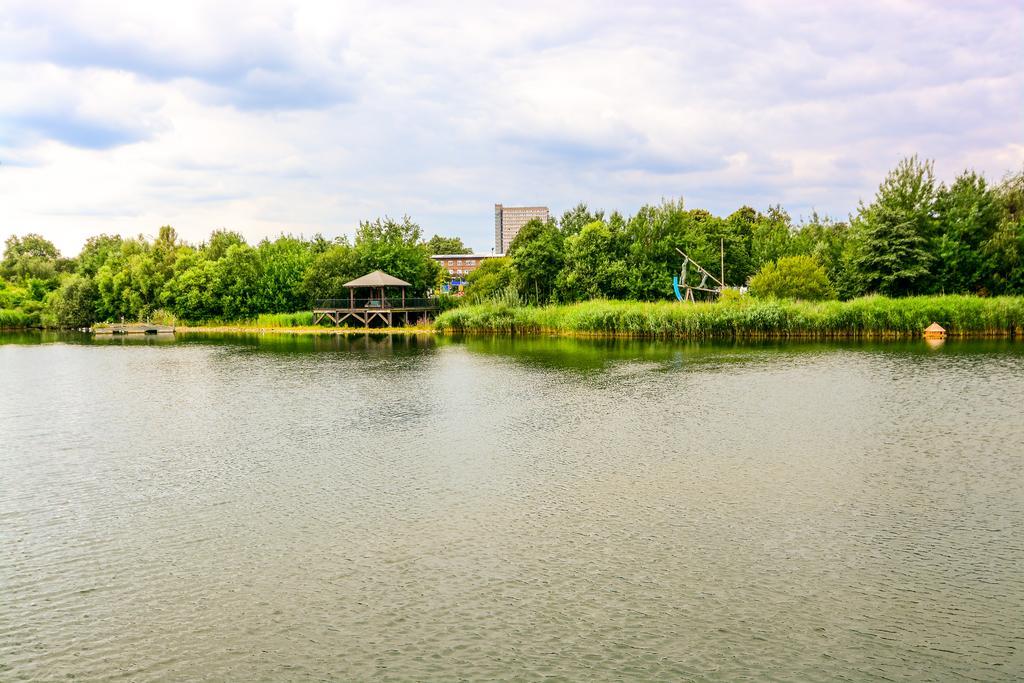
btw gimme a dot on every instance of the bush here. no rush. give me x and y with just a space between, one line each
10 318
792 277
74 304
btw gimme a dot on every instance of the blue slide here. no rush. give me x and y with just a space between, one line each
675 286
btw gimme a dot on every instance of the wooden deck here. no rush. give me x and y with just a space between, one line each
367 311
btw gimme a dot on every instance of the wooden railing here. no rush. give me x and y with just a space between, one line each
374 303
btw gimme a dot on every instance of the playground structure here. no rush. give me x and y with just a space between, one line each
680 284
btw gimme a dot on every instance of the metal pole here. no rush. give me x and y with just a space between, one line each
723 264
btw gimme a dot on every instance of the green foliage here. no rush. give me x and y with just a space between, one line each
537 256
238 278
446 245
297 319
968 214
193 292
1004 250
895 230
15 318
74 304
576 218
279 285
96 252
829 243
771 237
915 237
330 270
792 277
396 248
31 257
494 275
595 264
220 241
747 318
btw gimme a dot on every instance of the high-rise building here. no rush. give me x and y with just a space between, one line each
509 219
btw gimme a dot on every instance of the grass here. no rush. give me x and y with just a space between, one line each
299 319
873 316
13 318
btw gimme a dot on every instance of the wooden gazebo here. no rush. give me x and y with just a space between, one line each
377 283
368 300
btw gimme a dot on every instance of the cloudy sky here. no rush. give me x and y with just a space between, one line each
302 117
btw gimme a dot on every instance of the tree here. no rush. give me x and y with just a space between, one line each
595 264
446 245
537 255
219 243
771 237
830 244
31 256
74 304
191 292
96 252
283 263
895 230
655 234
576 218
326 276
238 282
493 277
968 216
792 277
1004 250
396 248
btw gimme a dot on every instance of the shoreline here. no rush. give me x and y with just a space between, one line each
314 329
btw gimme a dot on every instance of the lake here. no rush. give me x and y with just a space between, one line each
412 508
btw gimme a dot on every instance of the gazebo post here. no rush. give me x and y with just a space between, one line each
351 297
403 297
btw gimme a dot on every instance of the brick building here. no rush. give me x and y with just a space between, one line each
509 219
461 265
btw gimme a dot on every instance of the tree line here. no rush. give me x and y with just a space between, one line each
916 236
224 278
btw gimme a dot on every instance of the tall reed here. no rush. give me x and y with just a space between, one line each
298 319
13 318
873 316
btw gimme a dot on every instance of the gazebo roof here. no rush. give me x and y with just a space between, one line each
935 327
377 278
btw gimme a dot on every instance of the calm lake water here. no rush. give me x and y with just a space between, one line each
294 508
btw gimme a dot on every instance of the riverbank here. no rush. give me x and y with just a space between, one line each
306 329
867 317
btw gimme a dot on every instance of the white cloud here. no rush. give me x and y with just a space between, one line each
307 117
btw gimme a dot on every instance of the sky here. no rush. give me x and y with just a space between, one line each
306 117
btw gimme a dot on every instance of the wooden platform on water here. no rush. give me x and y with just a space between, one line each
380 310
133 328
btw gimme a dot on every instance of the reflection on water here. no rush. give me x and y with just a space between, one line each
273 507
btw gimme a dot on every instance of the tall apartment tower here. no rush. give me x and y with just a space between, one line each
509 219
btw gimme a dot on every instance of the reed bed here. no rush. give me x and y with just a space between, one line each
298 319
873 316
12 318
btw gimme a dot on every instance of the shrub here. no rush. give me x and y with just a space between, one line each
792 277
74 304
